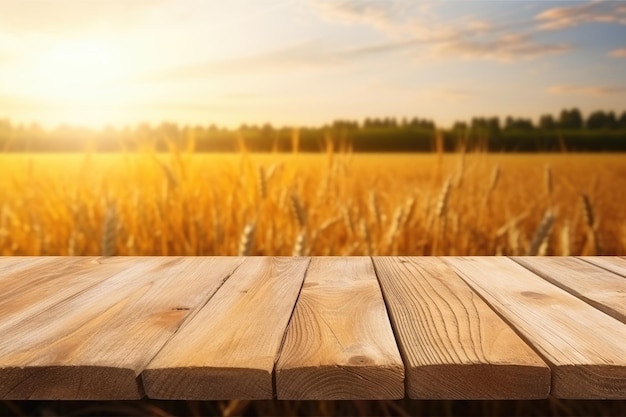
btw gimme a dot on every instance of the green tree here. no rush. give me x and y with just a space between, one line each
547 122
571 119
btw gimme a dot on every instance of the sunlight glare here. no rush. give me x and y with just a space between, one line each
82 81
78 69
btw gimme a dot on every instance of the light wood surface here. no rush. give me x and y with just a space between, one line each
12 264
207 328
339 343
614 264
453 344
585 348
95 344
30 290
601 288
229 348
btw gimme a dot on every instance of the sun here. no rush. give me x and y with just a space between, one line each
80 81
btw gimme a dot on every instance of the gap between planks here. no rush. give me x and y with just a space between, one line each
599 287
584 347
229 349
454 346
95 344
339 343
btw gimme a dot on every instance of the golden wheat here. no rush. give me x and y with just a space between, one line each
324 204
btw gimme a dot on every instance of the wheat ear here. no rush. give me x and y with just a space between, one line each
548 179
262 182
298 210
246 241
108 231
442 201
541 235
299 248
587 210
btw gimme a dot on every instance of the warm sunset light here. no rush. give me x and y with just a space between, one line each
306 62
77 81
313 208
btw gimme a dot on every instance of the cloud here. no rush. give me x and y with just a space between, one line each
591 12
586 90
411 25
380 14
618 53
504 48
398 19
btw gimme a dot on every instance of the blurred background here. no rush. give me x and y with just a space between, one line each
313 127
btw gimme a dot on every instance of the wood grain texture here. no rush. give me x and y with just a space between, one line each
229 348
31 287
339 344
12 264
94 344
585 348
454 346
602 289
614 264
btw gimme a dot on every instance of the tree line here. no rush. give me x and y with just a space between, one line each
570 130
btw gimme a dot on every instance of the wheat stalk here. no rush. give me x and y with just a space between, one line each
299 248
548 179
298 210
374 208
513 237
323 227
247 238
442 201
587 210
262 182
541 235
565 241
590 222
347 217
495 175
365 232
511 224
396 223
409 207
109 231
461 171
272 170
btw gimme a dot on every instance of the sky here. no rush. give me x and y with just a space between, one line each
306 62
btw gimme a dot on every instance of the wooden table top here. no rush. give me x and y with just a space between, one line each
208 328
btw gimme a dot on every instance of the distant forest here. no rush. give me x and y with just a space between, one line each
569 131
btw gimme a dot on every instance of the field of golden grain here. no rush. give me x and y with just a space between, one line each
312 204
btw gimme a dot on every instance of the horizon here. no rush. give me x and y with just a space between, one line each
306 63
360 123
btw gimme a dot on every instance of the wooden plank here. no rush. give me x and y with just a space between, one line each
34 287
339 344
600 288
229 348
13 264
585 348
614 264
454 346
95 344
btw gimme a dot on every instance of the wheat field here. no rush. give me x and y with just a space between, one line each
312 204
